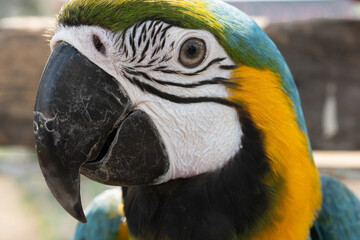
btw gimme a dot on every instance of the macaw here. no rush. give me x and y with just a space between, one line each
191 107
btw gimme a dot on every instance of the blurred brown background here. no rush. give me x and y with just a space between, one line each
320 41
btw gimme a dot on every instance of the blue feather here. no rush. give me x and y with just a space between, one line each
103 217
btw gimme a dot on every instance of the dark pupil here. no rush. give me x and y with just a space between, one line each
191 51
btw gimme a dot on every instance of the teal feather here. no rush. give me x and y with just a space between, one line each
339 217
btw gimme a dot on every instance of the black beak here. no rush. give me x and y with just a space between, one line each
77 107
84 122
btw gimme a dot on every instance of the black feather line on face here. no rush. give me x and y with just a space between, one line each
228 67
156 34
160 68
154 60
141 59
173 98
168 71
216 60
144 51
142 35
230 202
134 30
126 53
153 30
164 31
165 58
172 44
132 43
141 66
157 22
153 54
157 49
163 44
151 25
133 59
216 80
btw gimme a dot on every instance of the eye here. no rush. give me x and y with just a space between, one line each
192 52
99 45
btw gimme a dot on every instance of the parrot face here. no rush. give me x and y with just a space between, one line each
183 92
188 103
163 97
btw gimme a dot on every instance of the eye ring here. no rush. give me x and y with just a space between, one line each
192 52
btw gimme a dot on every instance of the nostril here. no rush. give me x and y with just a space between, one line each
99 45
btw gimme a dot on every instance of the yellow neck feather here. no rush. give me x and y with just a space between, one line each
261 95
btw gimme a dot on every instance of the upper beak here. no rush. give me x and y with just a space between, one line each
77 106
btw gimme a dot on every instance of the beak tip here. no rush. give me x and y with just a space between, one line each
82 219
80 216
77 211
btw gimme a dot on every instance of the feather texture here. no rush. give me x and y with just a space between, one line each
339 217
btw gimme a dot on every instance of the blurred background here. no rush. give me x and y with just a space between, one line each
320 39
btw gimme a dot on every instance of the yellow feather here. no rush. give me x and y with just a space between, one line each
262 96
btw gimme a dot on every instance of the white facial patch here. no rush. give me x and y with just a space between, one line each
201 132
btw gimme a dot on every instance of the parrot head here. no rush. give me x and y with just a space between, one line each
141 93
